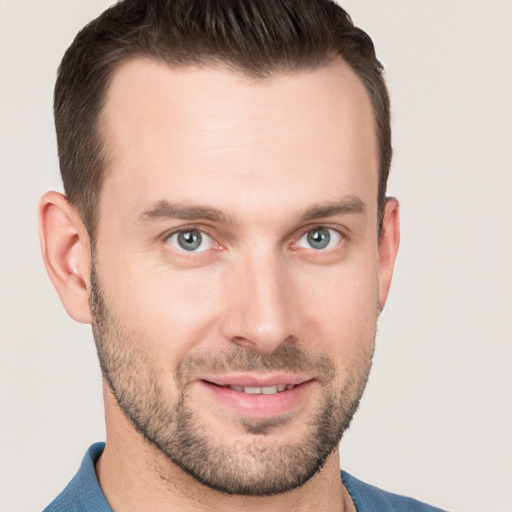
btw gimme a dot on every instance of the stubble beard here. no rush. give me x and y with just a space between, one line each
256 466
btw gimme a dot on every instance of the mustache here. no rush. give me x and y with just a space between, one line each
290 358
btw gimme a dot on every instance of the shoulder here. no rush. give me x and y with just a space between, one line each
368 498
83 493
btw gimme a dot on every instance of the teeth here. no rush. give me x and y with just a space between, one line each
252 391
266 390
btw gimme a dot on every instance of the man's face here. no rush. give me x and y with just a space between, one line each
236 277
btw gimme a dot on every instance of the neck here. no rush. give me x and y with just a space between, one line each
144 482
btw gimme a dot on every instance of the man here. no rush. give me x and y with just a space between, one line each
226 233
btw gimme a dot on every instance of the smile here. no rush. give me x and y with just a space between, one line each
258 396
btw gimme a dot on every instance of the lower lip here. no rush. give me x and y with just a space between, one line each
259 406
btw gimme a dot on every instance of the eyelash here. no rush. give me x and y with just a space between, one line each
339 237
191 229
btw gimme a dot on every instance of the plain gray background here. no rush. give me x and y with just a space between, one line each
436 420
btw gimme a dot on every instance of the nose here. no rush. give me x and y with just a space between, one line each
260 313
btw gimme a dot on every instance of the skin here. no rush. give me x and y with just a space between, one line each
262 153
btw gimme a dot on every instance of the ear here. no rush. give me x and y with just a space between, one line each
389 241
66 254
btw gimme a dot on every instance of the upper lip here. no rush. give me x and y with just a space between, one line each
257 381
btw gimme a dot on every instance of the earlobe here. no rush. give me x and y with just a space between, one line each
389 241
66 254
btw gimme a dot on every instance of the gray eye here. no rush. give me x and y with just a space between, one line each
320 238
191 240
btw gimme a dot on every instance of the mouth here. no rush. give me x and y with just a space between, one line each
258 396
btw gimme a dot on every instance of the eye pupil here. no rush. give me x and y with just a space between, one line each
319 238
190 240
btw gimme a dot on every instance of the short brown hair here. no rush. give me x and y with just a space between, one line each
255 37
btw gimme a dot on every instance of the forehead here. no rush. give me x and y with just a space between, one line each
206 133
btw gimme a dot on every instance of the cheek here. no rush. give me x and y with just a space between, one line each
171 308
341 308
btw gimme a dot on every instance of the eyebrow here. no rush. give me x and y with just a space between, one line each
165 210
347 206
